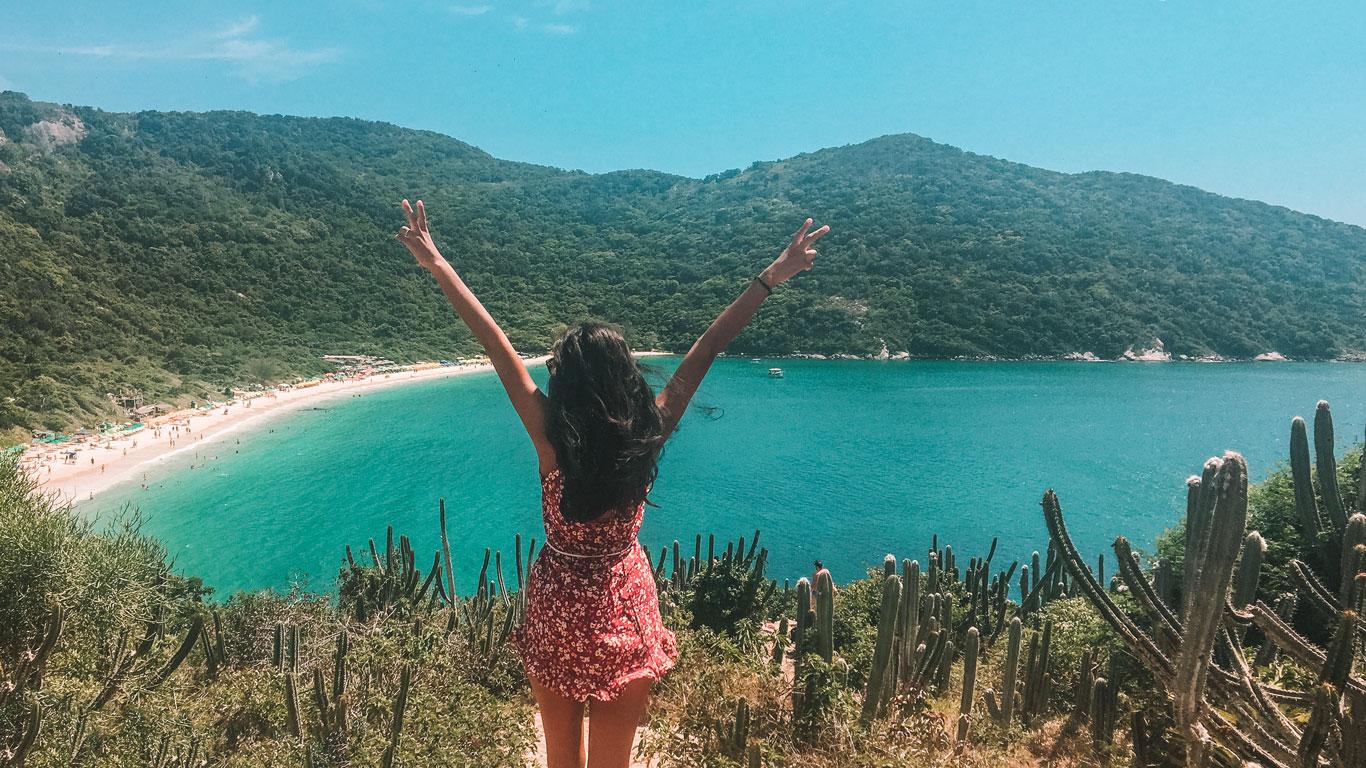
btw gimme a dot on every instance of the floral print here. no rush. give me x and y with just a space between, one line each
592 616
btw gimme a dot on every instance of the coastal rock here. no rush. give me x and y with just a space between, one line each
883 354
1157 353
1212 357
1270 357
1086 357
902 355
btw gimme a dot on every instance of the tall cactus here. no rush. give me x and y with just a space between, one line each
825 615
1326 466
1006 709
291 674
1306 507
971 650
882 651
396 723
909 630
1249 570
1038 680
733 737
1209 564
1103 711
1353 538
333 708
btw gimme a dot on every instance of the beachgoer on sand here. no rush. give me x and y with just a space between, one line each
593 638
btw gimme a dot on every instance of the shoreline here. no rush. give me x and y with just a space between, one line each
104 462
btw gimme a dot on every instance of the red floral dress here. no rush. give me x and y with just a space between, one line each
592 616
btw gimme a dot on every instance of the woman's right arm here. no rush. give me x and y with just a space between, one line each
796 258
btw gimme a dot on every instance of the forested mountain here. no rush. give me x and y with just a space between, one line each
173 250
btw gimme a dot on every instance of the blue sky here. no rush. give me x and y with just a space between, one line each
1265 100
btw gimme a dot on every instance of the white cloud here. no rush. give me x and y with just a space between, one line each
251 57
470 10
240 28
520 22
5 85
560 29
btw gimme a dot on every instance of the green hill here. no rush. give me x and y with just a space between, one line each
176 251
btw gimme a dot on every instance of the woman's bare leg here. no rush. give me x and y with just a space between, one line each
612 725
562 720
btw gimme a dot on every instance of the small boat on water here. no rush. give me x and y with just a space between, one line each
775 373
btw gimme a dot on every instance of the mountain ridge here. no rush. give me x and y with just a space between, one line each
172 251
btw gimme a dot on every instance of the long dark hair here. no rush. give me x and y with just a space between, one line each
603 423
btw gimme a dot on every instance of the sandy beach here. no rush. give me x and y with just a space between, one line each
102 462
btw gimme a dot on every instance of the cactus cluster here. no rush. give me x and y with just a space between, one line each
727 592
331 728
1222 709
391 585
925 623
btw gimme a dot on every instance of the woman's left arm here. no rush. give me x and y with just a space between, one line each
526 397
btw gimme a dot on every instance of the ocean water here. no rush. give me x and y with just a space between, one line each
837 461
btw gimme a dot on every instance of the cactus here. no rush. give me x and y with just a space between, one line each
1006 709
803 640
882 653
16 755
1353 537
393 584
446 553
805 616
396 724
1249 570
1284 609
733 737
1086 677
1306 508
136 665
1326 466
825 615
1103 708
333 709
970 652
908 631
291 674
780 642
214 646
1038 682
1164 584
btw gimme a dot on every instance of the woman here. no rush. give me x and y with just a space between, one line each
592 628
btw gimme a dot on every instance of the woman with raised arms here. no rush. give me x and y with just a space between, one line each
593 629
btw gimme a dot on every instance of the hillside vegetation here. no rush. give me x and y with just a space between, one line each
174 251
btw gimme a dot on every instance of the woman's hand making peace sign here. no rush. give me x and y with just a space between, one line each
417 238
797 257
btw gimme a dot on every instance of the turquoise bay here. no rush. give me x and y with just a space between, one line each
837 461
